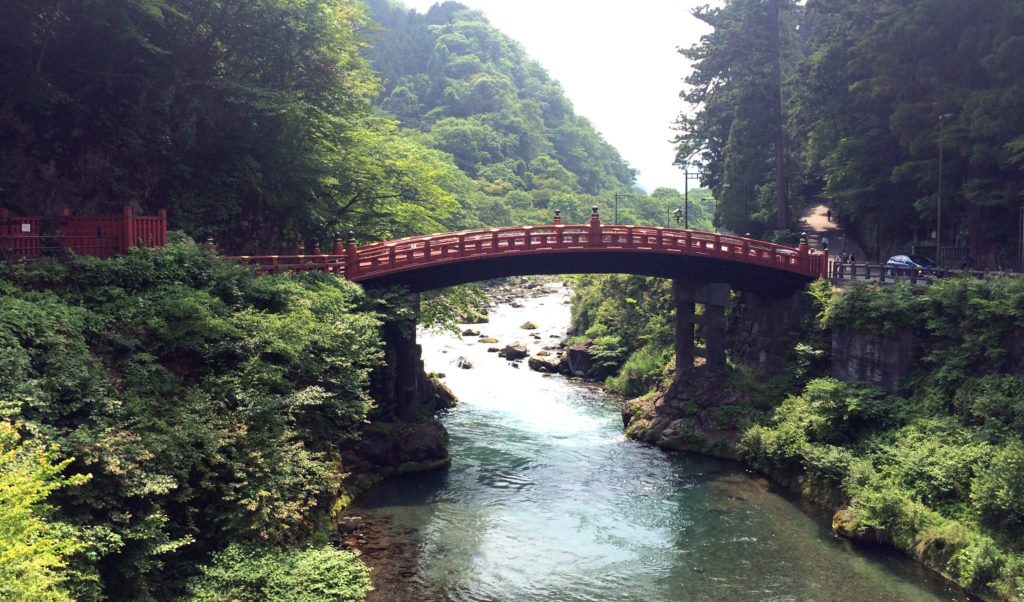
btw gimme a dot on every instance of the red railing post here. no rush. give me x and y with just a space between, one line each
338 248
351 256
162 235
558 217
804 251
823 267
127 230
594 238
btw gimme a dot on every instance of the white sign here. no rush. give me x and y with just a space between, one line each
26 227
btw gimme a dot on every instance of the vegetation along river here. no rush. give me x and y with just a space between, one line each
546 500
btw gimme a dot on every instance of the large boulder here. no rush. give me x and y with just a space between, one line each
515 351
580 361
548 365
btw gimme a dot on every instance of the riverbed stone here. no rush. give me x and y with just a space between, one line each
488 340
545 365
469 332
515 351
529 325
464 363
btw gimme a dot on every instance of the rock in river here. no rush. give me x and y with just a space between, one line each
515 351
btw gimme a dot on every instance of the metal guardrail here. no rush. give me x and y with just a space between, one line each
839 271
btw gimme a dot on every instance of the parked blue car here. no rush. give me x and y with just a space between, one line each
907 264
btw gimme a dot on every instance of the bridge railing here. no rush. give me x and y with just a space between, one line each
385 257
278 264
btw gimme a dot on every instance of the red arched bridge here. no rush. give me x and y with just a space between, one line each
432 261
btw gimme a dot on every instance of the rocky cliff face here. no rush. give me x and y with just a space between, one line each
403 434
762 330
869 357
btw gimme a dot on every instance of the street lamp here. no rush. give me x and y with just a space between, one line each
938 213
678 213
686 193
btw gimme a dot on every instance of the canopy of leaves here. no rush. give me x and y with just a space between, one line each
864 87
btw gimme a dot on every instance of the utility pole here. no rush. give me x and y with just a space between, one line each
619 196
782 208
1020 244
686 194
938 212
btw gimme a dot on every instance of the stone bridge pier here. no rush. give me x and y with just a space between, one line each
714 297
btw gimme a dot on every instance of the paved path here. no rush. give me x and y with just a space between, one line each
817 225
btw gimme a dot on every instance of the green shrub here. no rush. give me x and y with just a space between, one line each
641 373
244 573
997 492
34 548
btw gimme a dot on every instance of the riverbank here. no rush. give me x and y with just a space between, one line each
933 471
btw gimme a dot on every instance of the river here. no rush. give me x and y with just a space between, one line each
546 500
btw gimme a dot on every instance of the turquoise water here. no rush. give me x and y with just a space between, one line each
545 500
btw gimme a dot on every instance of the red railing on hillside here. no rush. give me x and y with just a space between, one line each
365 262
98 236
19 236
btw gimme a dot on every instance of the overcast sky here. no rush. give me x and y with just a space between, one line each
617 62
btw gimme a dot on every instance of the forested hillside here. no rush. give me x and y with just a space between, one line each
854 93
474 94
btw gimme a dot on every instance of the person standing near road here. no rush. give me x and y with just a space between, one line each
824 243
828 214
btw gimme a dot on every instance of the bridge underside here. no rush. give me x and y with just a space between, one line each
765 280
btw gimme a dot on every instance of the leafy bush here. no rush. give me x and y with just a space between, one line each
248 573
997 491
34 548
642 372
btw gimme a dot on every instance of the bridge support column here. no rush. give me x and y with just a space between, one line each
714 297
398 385
686 318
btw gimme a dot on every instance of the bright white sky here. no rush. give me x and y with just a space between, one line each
617 62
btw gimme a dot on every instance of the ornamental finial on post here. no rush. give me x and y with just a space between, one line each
594 237
351 256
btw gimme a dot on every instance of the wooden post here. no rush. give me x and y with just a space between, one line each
804 251
558 217
127 230
162 234
352 256
594 236
339 248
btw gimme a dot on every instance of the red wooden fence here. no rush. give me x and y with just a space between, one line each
97 236
19 236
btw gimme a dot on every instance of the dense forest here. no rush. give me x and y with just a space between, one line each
858 97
